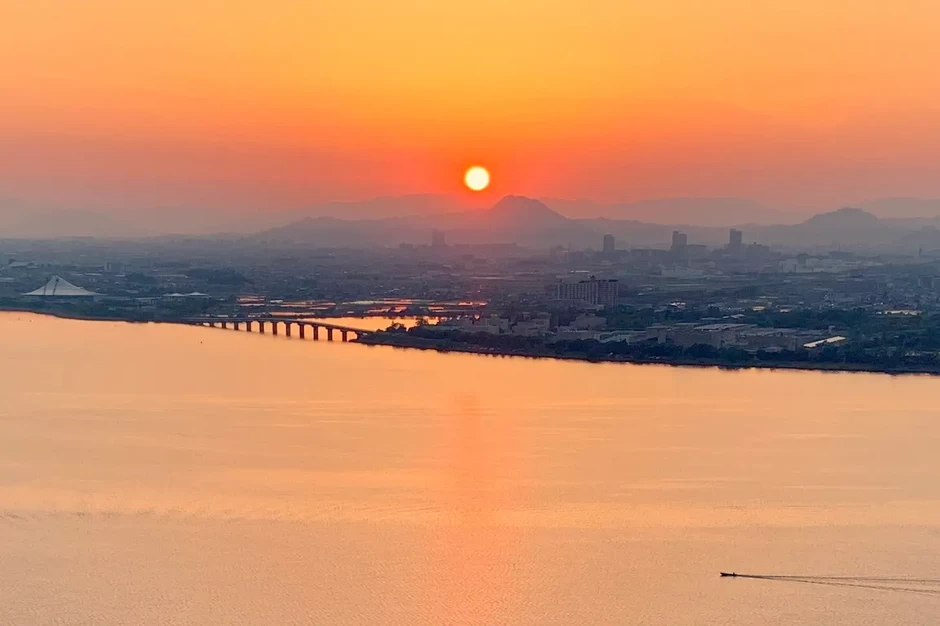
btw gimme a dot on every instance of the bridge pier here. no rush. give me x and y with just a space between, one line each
304 326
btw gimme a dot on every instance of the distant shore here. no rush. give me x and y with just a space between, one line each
67 315
406 341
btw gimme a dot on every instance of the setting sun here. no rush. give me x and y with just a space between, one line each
477 178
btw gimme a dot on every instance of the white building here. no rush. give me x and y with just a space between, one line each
58 287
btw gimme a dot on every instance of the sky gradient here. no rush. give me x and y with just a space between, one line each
798 104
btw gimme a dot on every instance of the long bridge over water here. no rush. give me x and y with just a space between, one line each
262 323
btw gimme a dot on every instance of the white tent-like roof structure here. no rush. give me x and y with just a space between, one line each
58 287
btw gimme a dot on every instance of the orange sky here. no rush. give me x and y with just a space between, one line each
798 103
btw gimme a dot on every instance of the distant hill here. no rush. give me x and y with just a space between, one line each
904 208
330 232
513 219
710 212
842 219
844 228
19 219
389 207
925 239
514 212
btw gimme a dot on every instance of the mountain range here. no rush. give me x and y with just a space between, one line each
526 221
533 223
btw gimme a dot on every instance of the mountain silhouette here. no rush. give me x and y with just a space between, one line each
844 218
391 207
709 212
847 227
513 212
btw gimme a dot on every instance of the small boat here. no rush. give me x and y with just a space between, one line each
723 574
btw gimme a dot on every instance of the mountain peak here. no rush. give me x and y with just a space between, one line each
523 211
846 217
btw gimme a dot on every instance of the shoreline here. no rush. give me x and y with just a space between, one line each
101 318
376 339
406 341
75 316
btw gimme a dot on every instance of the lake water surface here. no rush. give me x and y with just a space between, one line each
159 474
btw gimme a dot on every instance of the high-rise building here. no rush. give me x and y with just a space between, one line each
437 239
596 292
679 241
735 240
608 291
609 244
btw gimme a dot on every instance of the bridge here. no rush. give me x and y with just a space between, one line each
262 323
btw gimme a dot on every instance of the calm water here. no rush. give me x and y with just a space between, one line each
177 475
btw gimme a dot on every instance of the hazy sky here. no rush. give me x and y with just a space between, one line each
811 103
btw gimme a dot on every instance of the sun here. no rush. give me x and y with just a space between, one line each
477 178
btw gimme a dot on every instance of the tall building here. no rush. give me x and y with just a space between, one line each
735 240
437 239
609 244
608 292
679 241
596 292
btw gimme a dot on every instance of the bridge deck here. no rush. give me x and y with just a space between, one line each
307 321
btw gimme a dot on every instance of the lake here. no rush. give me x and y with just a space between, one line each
160 474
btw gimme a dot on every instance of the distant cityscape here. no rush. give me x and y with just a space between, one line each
737 302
